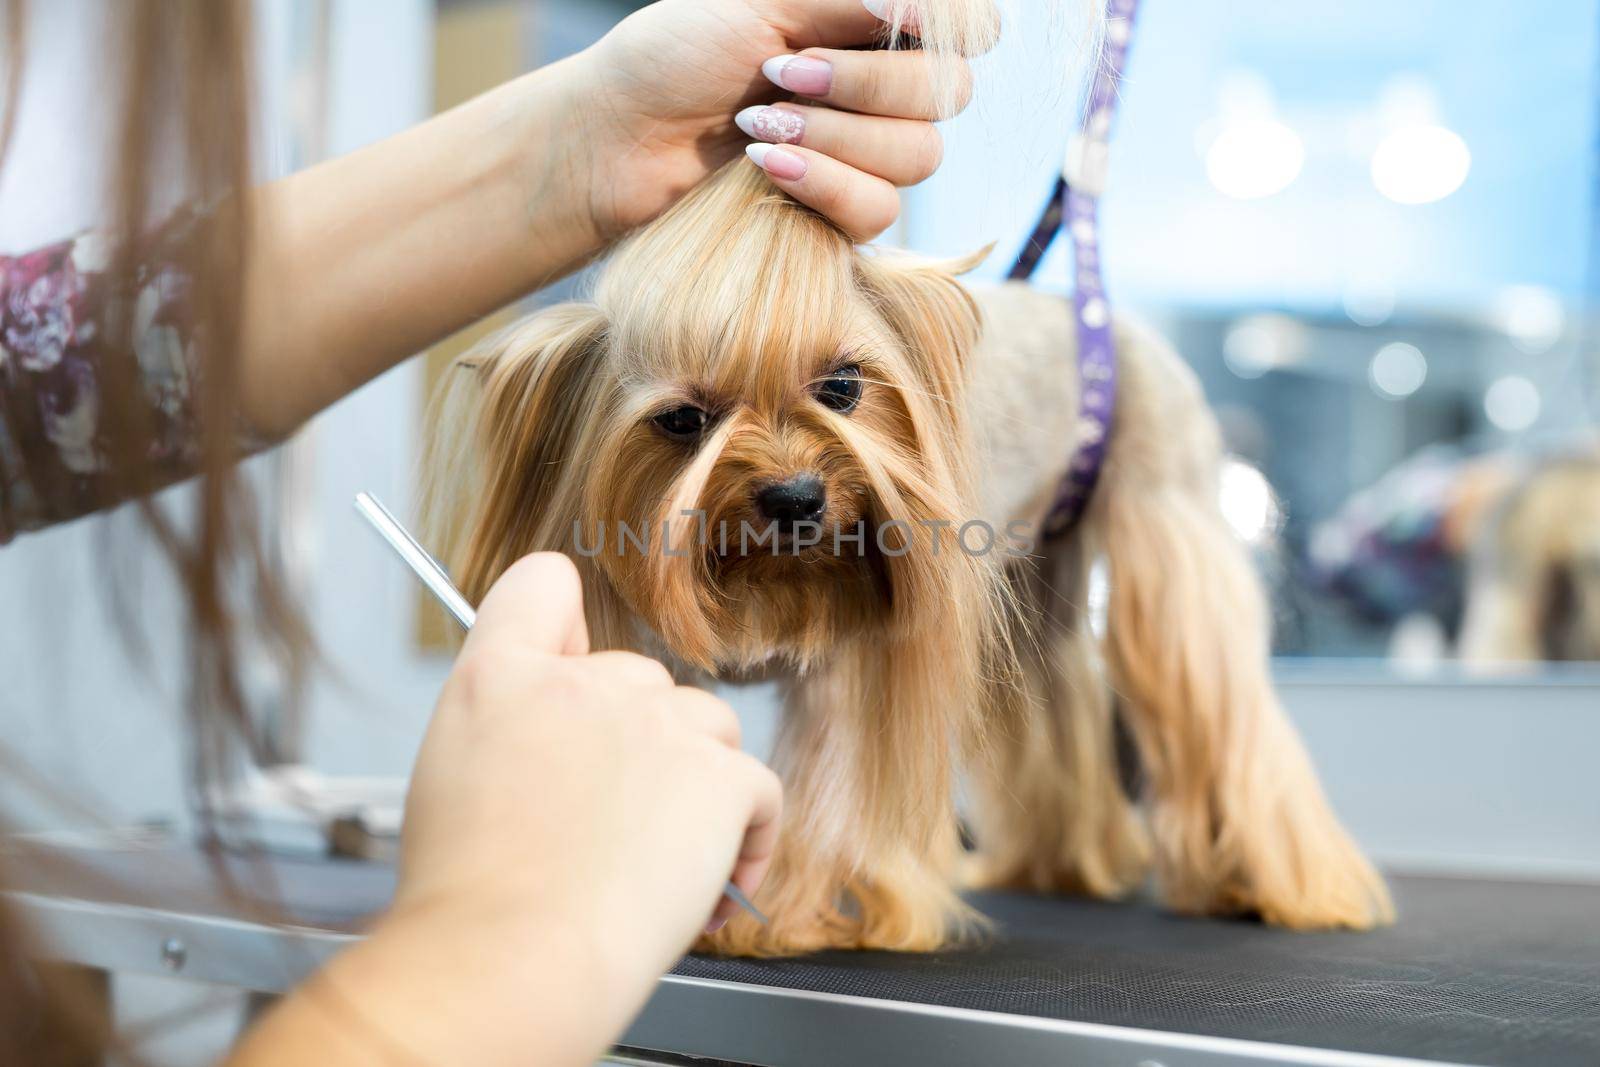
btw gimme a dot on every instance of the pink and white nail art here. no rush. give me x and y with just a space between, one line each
775 125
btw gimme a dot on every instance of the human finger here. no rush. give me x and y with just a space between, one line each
846 23
631 669
900 151
765 794
706 713
537 601
905 84
862 205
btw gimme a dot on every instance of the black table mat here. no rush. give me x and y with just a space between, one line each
1474 972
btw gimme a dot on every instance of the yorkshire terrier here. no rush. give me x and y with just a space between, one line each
1533 573
774 455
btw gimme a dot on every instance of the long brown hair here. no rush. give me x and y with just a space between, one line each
183 93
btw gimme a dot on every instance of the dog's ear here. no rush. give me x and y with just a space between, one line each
930 311
502 477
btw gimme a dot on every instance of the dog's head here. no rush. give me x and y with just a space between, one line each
755 433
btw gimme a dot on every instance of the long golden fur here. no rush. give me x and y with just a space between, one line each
884 655
907 654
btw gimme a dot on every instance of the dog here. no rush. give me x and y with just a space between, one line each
743 367
1533 571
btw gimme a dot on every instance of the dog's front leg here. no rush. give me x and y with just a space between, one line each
869 834
1052 814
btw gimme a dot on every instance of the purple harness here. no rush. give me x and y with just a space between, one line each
1076 196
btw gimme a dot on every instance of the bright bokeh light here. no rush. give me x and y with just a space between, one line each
1512 403
1330 545
1368 303
1418 644
1247 501
1259 343
1420 164
1531 316
1254 158
1397 370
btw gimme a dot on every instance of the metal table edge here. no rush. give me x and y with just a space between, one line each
130 939
770 1026
779 1027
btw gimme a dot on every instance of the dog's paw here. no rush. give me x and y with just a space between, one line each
1328 887
1351 898
744 936
917 915
1110 871
781 935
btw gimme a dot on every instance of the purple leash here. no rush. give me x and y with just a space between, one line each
1076 197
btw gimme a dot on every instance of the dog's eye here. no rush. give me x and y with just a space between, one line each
840 390
685 423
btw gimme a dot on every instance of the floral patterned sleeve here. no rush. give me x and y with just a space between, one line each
56 358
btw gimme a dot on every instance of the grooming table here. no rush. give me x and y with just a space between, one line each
1476 972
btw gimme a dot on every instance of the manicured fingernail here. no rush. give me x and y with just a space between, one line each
800 74
714 925
775 124
883 11
778 162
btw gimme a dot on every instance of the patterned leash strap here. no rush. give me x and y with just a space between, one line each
1076 198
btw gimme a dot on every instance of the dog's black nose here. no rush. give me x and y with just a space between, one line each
799 499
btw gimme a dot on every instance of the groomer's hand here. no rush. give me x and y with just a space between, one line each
571 820
662 91
588 780
515 188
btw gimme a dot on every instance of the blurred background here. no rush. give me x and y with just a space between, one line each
1370 227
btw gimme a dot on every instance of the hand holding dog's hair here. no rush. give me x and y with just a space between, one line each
570 823
665 85
366 259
